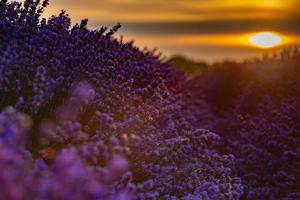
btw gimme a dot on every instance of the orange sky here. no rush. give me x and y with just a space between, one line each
201 29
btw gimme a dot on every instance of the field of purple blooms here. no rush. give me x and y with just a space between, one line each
87 116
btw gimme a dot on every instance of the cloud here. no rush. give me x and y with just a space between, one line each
212 27
175 10
169 17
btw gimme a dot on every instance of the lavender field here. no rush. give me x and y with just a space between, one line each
87 116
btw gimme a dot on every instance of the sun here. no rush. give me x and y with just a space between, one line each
265 40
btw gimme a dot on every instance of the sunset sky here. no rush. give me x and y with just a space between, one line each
200 29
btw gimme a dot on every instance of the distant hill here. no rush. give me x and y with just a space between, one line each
188 66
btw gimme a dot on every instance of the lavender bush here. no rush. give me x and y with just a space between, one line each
86 116
258 122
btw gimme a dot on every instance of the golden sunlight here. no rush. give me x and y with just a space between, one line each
265 40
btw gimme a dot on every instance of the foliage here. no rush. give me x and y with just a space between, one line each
85 116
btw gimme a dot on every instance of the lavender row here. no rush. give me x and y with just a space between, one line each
87 116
